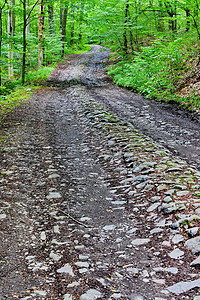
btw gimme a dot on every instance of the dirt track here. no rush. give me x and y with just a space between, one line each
89 204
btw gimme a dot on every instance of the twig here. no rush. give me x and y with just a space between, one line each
72 218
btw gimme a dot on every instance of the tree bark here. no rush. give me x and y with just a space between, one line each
24 42
1 32
51 19
41 33
63 30
11 32
125 41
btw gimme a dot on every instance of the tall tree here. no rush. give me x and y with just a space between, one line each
41 33
1 35
11 32
63 23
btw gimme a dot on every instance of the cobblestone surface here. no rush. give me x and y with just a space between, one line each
91 208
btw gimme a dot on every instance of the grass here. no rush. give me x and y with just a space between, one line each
158 71
16 98
13 94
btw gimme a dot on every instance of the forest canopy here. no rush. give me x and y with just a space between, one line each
152 39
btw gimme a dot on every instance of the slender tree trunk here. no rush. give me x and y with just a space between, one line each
187 11
72 33
24 43
61 17
161 24
1 32
51 19
11 31
63 30
41 34
27 25
125 41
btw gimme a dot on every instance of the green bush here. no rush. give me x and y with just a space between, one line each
157 70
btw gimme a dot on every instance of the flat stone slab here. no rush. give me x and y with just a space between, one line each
91 294
193 245
2 216
183 286
82 264
54 195
109 227
196 262
177 239
176 253
67 269
140 242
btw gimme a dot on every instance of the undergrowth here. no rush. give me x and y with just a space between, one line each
12 93
158 71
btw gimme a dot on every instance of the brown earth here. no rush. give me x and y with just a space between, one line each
81 165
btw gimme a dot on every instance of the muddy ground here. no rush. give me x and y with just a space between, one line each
99 192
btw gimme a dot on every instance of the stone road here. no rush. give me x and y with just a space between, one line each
91 208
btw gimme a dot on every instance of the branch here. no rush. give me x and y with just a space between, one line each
28 16
78 222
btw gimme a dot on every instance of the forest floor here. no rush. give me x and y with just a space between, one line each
100 192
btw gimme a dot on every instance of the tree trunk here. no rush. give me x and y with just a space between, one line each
63 30
11 32
1 32
72 33
41 34
51 19
187 11
125 41
161 24
24 43
27 25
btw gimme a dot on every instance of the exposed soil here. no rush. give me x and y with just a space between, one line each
174 127
81 165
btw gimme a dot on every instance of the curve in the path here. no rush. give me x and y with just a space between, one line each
170 125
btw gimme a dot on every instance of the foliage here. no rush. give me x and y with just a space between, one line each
157 71
157 42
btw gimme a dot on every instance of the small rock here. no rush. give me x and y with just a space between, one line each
56 229
53 176
66 269
136 297
170 192
154 199
91 294
2 216
177 239
156 230
40 293
159 281
109 227
43 236
161 187
182 193
73 284
67 297
196 262
140 242
153 207
167 199
82 264
54 195
54 256
193 245
184 286
176 254
193 231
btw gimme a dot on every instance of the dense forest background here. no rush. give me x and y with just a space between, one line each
154 44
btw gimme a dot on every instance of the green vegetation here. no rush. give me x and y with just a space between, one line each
156 44
158 71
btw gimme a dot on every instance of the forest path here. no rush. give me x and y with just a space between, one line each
90 207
